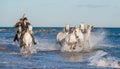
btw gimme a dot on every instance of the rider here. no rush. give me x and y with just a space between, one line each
16 26
24 27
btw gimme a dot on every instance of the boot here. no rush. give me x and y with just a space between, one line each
15 38
33 39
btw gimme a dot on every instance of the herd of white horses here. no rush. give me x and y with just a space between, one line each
74 38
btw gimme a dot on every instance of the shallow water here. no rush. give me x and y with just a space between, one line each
105 43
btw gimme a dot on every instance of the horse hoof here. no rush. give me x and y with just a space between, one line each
73 48
22 54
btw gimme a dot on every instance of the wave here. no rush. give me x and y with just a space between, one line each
46 47
103 59
118 34
42 30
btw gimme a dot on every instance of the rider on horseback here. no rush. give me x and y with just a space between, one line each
24 27
16 26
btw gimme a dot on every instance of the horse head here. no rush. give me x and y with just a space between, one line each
82 27
67 28
90 27
78 33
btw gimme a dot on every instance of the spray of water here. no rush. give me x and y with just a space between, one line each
103 59
97 37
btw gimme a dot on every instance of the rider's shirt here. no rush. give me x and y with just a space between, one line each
25 26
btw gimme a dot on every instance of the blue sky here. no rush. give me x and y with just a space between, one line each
55 13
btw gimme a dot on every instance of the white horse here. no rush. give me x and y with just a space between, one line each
74 39
82 27
71 39
87 36
62 34
27 39
80 37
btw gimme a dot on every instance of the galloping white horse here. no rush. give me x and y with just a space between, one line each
27 39
62 34
80 37
74 41
70 39
87 37
74 38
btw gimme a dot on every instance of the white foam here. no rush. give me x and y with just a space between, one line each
45 46
4 62
102 59
66 48
14 53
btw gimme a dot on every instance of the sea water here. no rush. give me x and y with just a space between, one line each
103 55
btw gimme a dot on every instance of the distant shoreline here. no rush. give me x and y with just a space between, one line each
46 29
60 27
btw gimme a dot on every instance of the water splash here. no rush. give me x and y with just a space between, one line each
103 59
97 37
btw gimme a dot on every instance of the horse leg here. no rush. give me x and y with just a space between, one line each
21 47
71 46
59 43
74 46
89 44
33 39
22 50
29 49
81 45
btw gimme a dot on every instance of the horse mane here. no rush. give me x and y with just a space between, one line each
30 29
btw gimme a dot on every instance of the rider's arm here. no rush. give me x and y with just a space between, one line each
17 24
